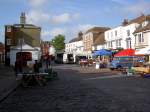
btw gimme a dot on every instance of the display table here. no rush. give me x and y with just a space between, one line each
33 78
141 69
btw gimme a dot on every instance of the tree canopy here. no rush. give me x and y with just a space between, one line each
58 42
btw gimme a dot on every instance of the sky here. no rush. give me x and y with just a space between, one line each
68 17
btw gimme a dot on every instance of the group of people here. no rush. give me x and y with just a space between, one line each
22 66
102 63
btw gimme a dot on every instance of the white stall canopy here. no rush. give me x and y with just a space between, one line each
144 51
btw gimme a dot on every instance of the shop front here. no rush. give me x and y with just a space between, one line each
145 52
24 53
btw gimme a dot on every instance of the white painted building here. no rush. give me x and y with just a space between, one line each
142 36
122 36
128 36
75 47
114 38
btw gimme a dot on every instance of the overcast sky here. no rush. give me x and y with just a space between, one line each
68 17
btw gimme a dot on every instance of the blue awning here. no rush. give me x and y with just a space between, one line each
102 52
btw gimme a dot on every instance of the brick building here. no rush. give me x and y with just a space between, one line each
2 52
17 34
90 37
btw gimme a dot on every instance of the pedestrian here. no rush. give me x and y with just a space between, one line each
36 67
40 80
16 67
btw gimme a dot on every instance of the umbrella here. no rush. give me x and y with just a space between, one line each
126 52
102 52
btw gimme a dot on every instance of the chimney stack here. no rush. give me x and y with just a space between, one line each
80 34
23 18
125 22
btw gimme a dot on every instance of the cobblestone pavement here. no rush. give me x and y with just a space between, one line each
82 90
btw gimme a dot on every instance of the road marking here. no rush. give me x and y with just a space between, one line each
107 77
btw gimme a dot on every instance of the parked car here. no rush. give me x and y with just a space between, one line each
124 62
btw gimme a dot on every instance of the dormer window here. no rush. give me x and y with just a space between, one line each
144 23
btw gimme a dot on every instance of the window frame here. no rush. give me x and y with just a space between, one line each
8 41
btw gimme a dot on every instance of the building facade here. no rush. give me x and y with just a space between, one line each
74 47
2 52
142 36
122 36
90 37
47 50
114 38
19 34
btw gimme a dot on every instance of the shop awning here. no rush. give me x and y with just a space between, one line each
126 52
144 51
102 52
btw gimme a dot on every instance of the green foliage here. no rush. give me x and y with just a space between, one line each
58 42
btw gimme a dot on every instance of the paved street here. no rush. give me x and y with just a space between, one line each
83 90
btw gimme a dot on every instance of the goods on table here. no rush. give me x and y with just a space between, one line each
141 69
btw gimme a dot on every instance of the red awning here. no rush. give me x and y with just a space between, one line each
126 52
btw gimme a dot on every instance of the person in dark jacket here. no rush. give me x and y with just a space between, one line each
17 66
36 67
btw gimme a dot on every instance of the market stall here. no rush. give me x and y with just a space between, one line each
144 71
104 56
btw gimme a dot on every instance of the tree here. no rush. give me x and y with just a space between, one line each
58 42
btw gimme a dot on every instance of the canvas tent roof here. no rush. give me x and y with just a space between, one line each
125 52
144 51
102 52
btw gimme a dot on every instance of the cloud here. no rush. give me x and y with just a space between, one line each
64 18
37 17
73 31
45 33
84 27
137 8
53 32
57 31
69 32
37 3
128 7
120 1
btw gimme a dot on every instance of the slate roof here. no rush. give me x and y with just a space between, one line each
97 29
141 29
99 39
138 20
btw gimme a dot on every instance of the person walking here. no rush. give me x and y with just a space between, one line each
40 80
17 67
36 67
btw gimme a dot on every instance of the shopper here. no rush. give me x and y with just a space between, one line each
36 67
